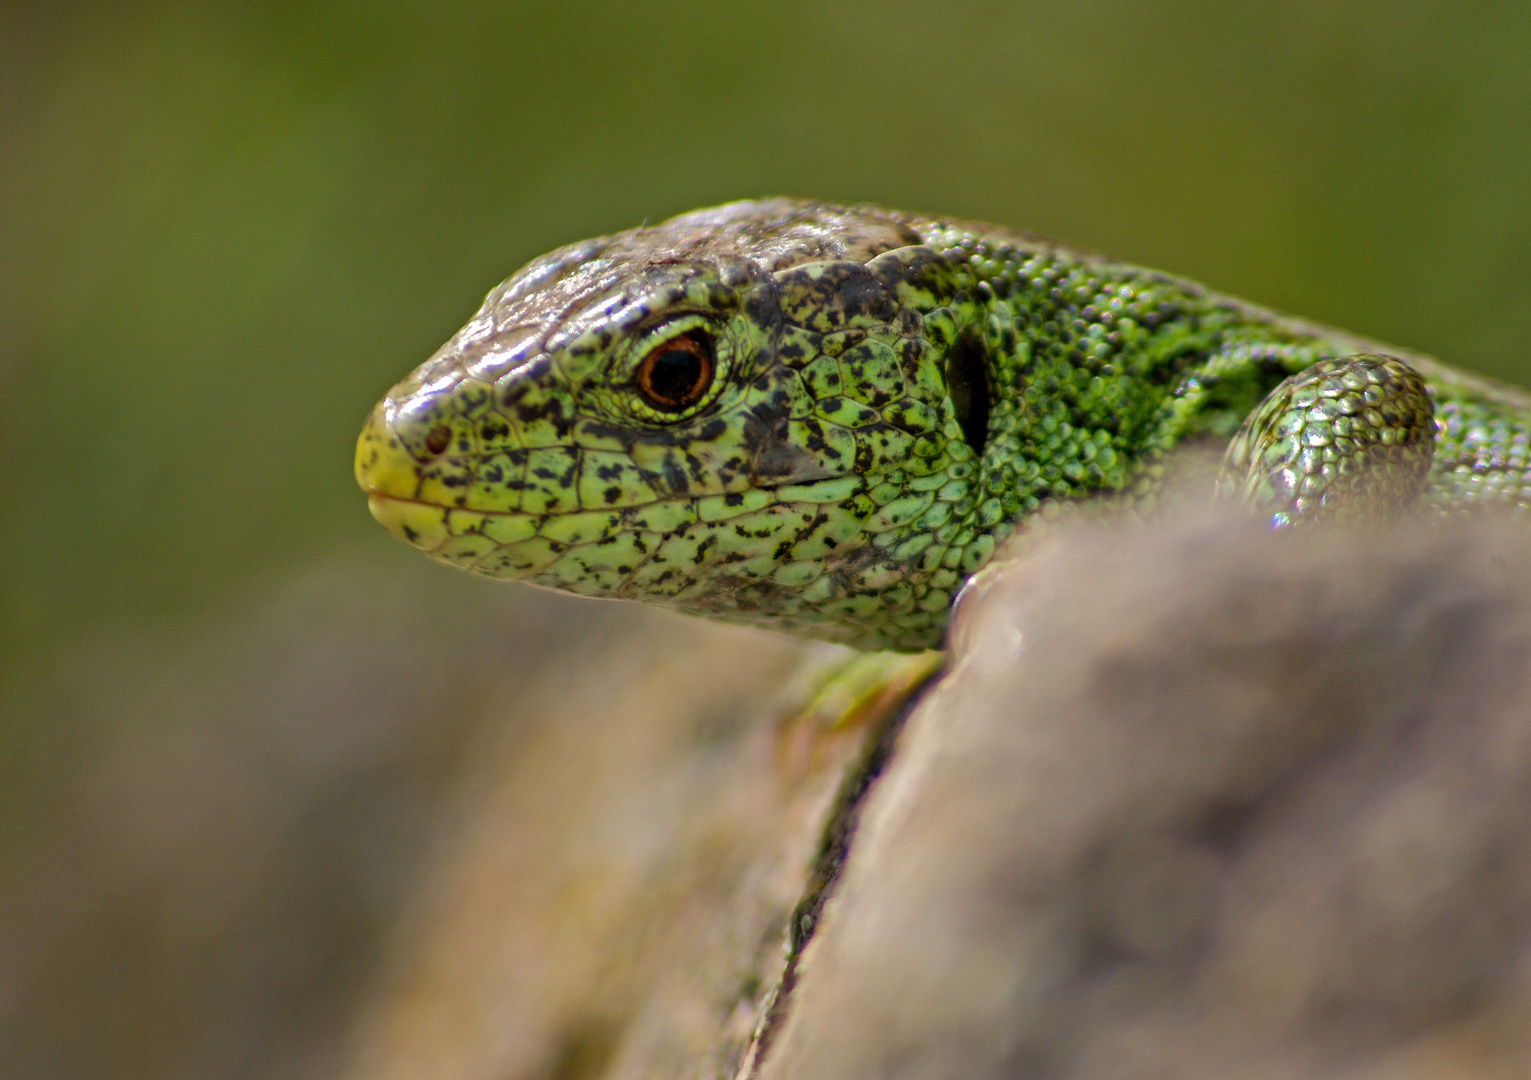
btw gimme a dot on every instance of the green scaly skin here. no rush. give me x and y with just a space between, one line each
839 475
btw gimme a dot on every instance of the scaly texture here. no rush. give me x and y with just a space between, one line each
822 419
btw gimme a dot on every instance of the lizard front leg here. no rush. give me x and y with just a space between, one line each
1351 436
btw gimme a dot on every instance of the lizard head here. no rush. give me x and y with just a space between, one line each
743 412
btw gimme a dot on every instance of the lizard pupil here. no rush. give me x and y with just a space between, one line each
676 374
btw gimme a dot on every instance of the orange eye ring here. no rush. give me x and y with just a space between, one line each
676 374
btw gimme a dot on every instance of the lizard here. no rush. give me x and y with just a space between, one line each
822 419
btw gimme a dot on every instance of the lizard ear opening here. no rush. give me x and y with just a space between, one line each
967 383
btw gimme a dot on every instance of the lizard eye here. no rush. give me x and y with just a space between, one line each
675 374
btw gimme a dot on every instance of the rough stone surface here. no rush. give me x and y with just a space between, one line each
1196 802
1201 802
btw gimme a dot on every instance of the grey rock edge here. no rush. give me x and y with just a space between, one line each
1193 801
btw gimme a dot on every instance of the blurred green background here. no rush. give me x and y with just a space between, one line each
226 230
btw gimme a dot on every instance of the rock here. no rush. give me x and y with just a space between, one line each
1200 801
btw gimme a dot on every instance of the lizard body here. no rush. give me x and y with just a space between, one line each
822 419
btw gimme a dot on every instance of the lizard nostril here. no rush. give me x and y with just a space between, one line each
419 423
438 439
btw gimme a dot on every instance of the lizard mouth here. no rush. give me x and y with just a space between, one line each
416 523
391 476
